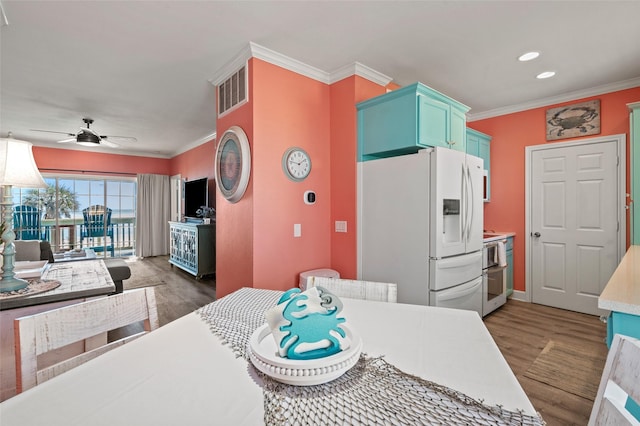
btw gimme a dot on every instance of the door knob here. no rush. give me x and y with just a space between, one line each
536 234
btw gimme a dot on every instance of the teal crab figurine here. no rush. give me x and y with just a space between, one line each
306 325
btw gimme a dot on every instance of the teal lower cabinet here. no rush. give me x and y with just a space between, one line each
622 323
629 325
509 250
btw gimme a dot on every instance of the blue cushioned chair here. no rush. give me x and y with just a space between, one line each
97 225
26 223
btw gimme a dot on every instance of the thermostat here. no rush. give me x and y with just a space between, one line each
309 197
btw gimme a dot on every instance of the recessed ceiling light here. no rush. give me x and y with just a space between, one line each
528 56
546 74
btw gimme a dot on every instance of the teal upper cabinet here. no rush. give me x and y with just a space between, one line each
478 144
409 119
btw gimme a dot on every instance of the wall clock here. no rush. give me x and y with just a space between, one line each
233 164
296 164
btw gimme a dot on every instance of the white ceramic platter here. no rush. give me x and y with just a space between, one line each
264 356
29 269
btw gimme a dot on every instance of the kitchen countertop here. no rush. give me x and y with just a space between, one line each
492 236
622 292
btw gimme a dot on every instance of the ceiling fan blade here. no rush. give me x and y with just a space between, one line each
105 142
120 138
67 140
51 131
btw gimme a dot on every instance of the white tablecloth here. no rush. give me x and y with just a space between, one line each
183 374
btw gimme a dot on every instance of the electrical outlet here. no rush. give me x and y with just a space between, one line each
341 226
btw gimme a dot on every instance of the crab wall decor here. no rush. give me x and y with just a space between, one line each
572 121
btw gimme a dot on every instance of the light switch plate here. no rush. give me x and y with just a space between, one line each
297 229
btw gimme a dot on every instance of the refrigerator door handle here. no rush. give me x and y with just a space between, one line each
463 212
471 204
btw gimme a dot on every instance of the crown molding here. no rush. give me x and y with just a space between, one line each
275 58
253 50
565 97
360 70
232 66
194 144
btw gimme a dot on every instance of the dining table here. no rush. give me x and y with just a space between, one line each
196 371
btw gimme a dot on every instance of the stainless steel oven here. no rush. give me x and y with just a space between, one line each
494 277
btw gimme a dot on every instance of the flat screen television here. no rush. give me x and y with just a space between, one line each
196 195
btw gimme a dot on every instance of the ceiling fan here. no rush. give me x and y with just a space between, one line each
88 137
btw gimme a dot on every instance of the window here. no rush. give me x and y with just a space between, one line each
60 209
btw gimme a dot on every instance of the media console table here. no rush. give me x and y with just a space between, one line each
192 247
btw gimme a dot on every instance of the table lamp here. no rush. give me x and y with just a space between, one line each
17 168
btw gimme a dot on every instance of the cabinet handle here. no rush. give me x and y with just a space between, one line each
451 143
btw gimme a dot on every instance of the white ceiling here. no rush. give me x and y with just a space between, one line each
141 68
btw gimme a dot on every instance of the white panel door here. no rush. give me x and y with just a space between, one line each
176 198
574 224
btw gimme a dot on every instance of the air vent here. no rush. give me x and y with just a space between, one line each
232 91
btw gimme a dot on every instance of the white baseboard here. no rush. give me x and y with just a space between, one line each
519 295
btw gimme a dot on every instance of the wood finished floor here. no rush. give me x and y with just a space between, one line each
521 330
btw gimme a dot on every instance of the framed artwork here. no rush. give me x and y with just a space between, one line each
233 164
575 120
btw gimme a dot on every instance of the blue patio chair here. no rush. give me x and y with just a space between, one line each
97 226
26 223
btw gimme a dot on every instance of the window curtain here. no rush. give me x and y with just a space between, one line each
152 215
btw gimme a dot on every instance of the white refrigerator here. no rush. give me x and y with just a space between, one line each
420 225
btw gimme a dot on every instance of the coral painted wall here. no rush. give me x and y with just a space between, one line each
198 163
345 94
287 109
511 133
234 222
90 162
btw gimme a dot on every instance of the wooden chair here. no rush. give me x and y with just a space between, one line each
97 225
619 392
26 223
355 289
50 330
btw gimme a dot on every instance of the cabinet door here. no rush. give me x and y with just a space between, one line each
509 273
388 126
457 130
483 152
433 122
473 145
509 250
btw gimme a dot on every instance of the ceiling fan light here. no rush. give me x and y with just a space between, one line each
87 139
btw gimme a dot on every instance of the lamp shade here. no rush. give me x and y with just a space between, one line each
17 166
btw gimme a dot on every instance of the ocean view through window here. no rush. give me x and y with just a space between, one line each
81 212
